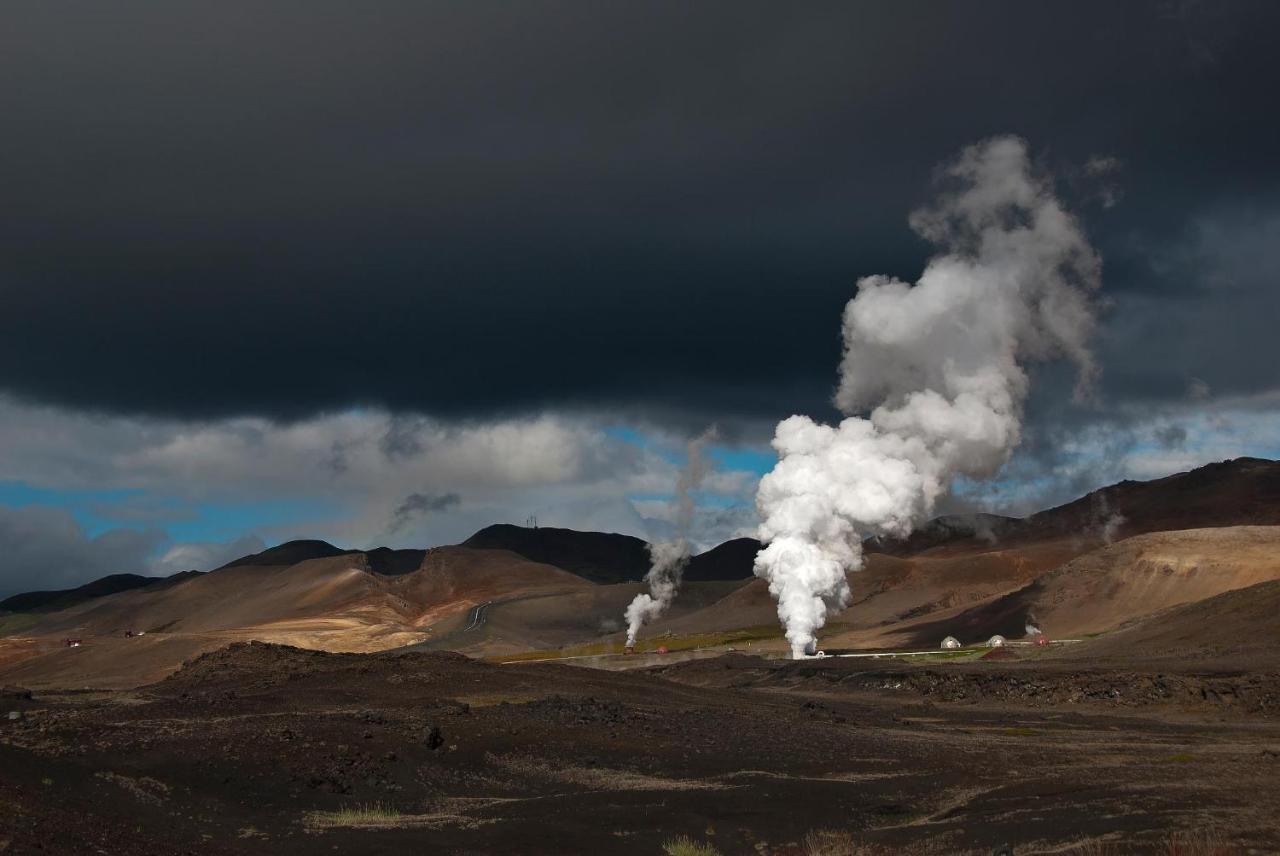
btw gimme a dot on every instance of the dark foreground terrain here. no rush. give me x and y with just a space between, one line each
268 749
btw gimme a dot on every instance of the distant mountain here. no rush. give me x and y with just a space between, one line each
1239 492
596 556
51 601
732 560
381 560
393 563
289 553
609 558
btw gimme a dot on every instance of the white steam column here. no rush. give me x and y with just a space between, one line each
934 367
668 558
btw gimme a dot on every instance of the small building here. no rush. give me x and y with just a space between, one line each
996 641
950 642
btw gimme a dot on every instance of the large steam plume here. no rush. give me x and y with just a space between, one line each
936 364
668 558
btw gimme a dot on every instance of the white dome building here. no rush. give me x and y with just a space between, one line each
950 642
996 641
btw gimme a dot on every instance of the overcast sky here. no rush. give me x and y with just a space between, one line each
387 272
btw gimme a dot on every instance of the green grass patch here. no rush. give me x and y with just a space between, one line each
671 643
686 846
361 816
1180 758
16 622
949 656
1020 731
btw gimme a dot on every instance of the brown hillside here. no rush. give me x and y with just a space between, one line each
1108 587
331 603
1243 624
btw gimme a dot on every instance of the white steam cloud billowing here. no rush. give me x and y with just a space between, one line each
667 558
937 365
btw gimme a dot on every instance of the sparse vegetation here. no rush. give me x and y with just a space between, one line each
17 622
1094 847
686 846
1207 843
841 842
598 778
372 815
969 653
1020 731
830 842
1181 758
1199 843
495 699
671 643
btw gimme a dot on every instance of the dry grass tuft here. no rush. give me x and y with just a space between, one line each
841 842
831 842
1198 843
686 846
598 778
1094 847
362 816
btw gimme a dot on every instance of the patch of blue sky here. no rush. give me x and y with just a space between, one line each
133 508
752 459
701 498
639 439
224 521
82 505
17 494
744 458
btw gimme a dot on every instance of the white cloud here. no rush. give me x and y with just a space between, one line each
204 555
363 464
1133 442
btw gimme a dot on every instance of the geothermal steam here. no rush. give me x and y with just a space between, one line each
936 364
668 558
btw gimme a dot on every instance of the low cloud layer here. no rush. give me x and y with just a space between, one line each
360 478
46 549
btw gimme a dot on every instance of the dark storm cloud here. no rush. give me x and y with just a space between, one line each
416 505
458 209
1171 436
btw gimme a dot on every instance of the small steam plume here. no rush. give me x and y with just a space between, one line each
936 364
668 558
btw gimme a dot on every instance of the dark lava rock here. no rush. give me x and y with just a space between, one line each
434 738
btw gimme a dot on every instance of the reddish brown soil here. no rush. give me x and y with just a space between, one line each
233 753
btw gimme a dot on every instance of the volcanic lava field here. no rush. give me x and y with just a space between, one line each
260 748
